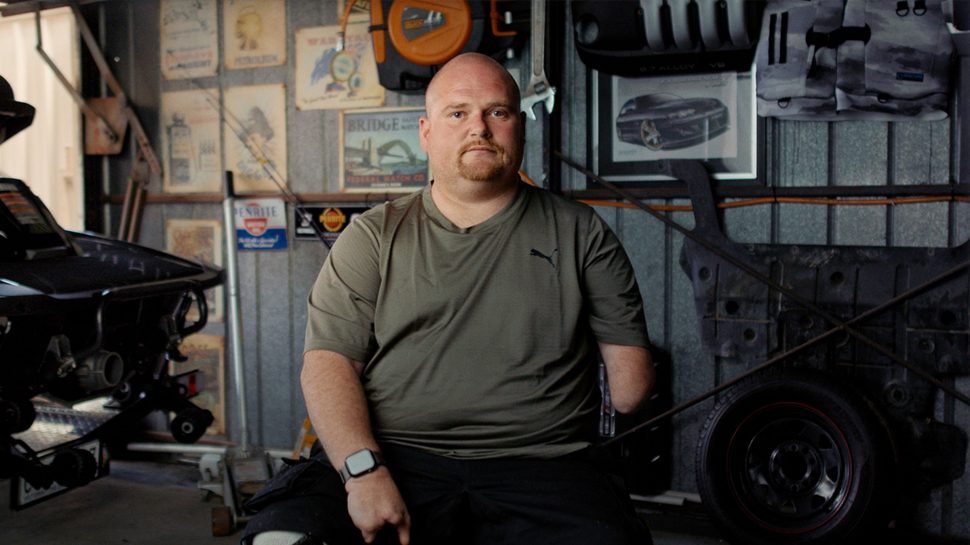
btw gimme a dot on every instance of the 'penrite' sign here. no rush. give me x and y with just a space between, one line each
260 224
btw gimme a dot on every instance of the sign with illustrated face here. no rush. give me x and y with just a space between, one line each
254 33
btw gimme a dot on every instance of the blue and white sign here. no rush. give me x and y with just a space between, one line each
260 224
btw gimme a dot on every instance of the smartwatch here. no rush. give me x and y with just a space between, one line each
360 463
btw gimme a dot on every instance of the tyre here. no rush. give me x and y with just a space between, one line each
74 467
16 415
796 457
190 423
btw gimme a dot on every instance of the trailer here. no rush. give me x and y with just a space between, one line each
831 424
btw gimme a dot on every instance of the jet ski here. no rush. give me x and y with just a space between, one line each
83 317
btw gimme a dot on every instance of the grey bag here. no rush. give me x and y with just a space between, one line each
853 59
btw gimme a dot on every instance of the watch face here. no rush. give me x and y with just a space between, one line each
360 462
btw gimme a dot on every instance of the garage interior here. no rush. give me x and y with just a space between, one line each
806 245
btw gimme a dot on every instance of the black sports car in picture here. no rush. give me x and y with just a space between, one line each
664 121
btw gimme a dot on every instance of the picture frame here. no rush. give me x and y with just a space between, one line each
207 354
326 78
199 240
188 38
253 33
191 146
638 123
380 150
255 136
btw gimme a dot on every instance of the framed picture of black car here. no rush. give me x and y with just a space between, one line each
665 121
637 123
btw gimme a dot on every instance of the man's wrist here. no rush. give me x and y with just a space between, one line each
369 479
360 463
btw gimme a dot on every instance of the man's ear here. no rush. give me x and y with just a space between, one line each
424 125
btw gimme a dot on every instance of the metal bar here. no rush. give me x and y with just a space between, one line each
684 170
133 204
176 448
176 198
960 35
552 128
75 95
760 191
126 209
143 143
138 204
235 331
93 47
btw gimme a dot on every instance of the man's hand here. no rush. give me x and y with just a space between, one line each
373 502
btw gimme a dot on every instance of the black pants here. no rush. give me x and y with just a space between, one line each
567 500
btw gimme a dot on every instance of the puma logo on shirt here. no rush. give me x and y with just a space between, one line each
548 258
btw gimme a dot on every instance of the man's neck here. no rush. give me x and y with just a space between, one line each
467 203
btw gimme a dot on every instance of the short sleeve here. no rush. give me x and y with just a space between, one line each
340 307
611 293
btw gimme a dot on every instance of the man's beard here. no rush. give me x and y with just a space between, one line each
483 172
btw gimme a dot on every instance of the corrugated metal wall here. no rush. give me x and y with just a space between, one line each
274 284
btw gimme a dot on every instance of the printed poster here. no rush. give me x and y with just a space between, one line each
675 117
260 224
206 353
254 33
256 137
201 241
191 149
380 150
326 79
189 41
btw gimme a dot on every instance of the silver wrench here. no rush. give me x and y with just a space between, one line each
538 89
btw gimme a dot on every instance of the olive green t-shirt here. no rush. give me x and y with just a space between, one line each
477 341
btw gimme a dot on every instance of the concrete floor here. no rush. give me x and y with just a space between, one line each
152 502
137 504
156 503
153 496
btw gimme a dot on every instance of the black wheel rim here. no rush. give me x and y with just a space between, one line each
790 467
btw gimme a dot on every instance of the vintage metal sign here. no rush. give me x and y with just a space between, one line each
322 222
261 224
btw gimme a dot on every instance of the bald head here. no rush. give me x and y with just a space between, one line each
473 129
470 67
